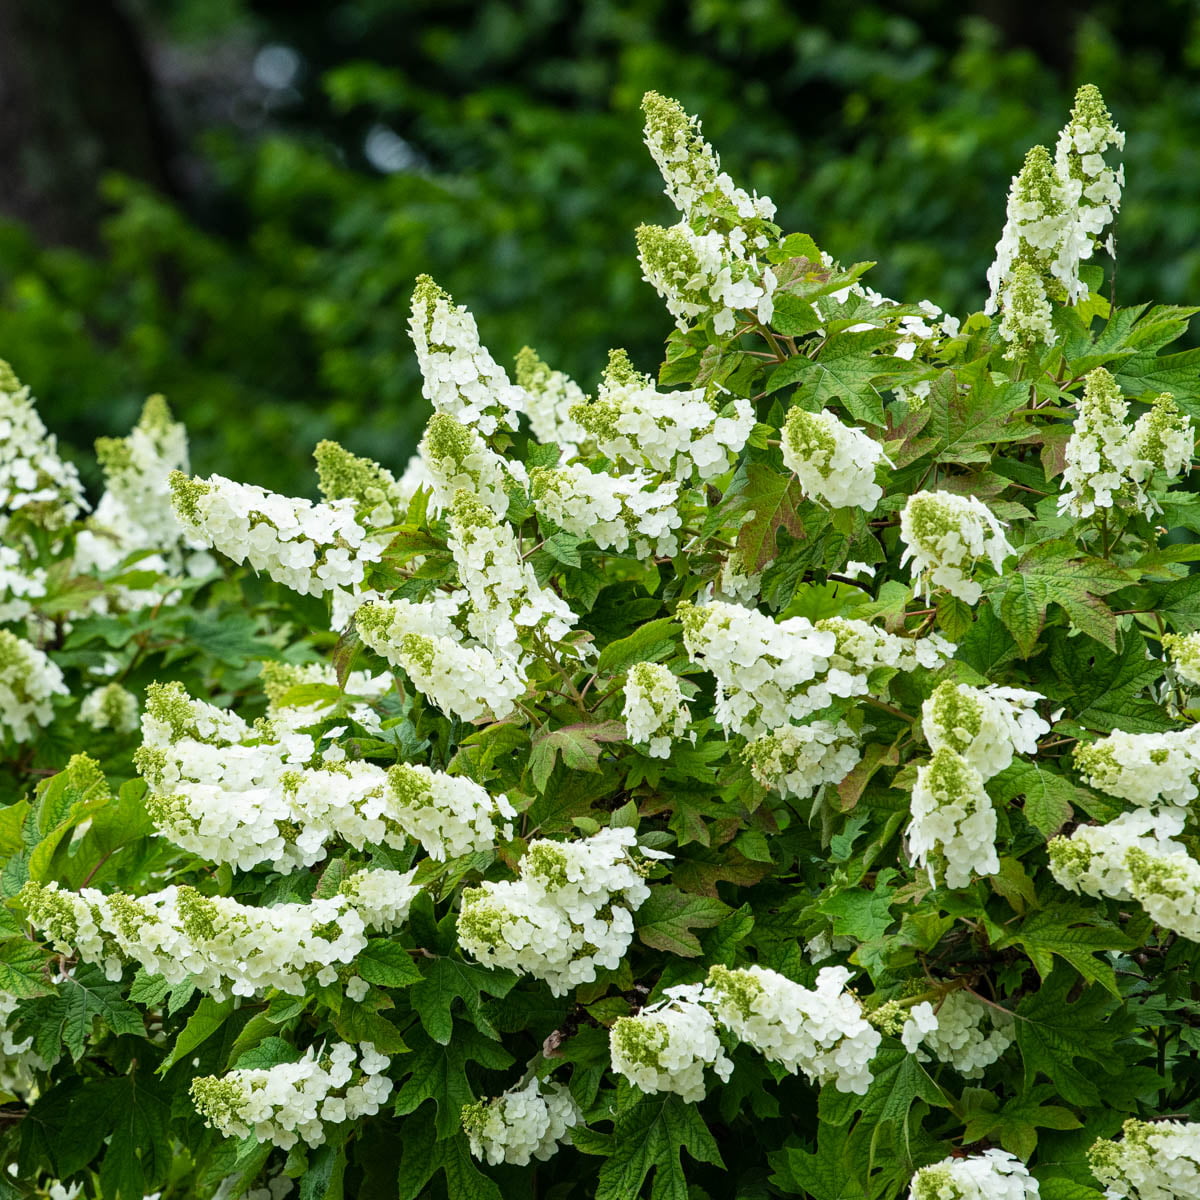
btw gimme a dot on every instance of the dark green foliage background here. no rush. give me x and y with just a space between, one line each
269 303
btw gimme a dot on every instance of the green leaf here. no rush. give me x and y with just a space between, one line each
1015 1125
667 917
22 969
425 1157
863 914
82 1000
649 1134
579 745
356 1023
209 1016
834 1172
1105 691
1048 796
439 1073
323 1178
448 979
651 642
138 1156
845 370
774 501
387 964
1052 1034
898 1081
1075 934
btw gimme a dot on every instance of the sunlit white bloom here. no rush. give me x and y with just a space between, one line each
294 1102
29 681
1154 1160
992 1175
525 1122
945 536
469 681
655 713
458 459
987 726
796 760
110 707
1184 653
954 1032
820 1031
1093 859
835 463
669 1045
549 396
460 377
1144 768
953 828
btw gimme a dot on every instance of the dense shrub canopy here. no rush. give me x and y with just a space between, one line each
773 778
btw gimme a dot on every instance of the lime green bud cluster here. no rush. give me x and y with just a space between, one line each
342 475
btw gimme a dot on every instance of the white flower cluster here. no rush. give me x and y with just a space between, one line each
1146 769
469 681
379 498
655 714
992 1175
21 583
1184 653
770 673
311 548
110 707
525 1122
611 510
1167 886
954 1032
29 681
460 377
224 946
945 535
835 463
458 459
987 726
708 263
1057 210
293 1102
504 597
570 911
549 397
820 1031
669 1045
19 1062
1093 859
953 829
677 434
35 480
1107 462
796 760
448 814
1154 1160
135 512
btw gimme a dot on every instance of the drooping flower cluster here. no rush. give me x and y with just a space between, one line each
820 1031
29 681
313 549
525 1122
953 1032
770 673
110 707
945 535
655 713
1167 886
1107 462
796 760
1146 769
669 1045
549 397
992 1175
708 263
677 434
293 1102
225 947
1154 1160
1058 208
614 511
570 911
460 377
35 481
987 726
835 463
1093 859
953 829
448 814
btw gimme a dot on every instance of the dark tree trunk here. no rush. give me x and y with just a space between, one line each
76 100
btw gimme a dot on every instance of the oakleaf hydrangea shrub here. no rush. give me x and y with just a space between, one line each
773 775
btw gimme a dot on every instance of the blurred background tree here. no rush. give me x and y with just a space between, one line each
228 200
